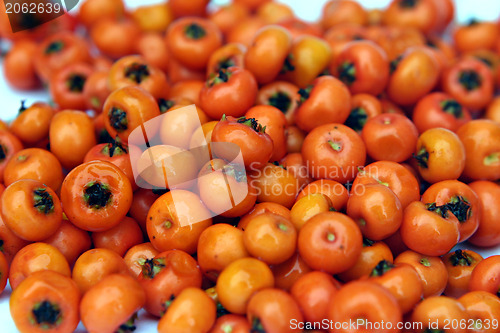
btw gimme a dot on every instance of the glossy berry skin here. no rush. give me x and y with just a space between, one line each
255 144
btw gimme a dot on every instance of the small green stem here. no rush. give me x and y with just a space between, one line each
470 79
288 64
118 119
425 262
153 266
382 267
393 65
493 158
97 195
46 315
280 100
357 119
408 4
252 123
195 31
43 201
76 82
305 93
422 158
337 146
347 73
137 72
452 107
23 106
461 258
54 47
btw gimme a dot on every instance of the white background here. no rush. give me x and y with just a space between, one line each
304 9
